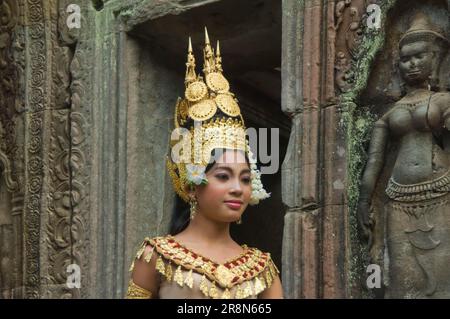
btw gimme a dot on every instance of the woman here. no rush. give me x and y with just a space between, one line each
210 170
417 215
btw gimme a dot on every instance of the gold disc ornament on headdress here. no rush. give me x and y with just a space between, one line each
203 110
212 116
228 104
196 91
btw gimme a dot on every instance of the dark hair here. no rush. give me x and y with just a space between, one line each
181 211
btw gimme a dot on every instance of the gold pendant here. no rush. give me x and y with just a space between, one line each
268 278
239 293
160 266
204 286
148 257
189 281
226 294
248 290
140 251
224 275
132 266
169 272
178 278
213 293
258 286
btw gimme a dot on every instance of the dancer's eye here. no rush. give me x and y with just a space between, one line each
222 176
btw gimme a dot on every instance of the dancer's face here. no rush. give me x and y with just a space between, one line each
228 191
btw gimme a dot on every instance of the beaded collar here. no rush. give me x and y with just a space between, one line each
252 271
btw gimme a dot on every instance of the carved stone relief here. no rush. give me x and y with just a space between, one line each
7 186
404 199
11 68
36 79
348 16
66 236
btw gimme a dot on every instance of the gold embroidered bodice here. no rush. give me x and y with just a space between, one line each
186 274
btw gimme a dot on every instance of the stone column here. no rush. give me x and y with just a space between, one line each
317 236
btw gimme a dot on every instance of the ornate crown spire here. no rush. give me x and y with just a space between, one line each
218 59
208 56
190 66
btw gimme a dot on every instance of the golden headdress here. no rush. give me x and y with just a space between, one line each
207 118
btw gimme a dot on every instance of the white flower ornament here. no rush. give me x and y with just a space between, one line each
196 174
258 192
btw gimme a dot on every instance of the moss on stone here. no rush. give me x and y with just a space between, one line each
358 123
357 126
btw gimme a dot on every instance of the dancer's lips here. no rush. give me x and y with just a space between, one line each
234 204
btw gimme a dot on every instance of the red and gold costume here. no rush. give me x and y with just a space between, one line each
186 274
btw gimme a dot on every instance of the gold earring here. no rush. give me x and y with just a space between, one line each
193 208
239 221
